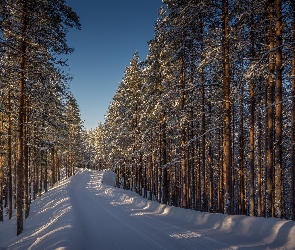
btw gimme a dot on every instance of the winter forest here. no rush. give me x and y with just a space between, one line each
40 126
206 122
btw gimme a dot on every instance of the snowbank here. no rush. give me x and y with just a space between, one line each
245 231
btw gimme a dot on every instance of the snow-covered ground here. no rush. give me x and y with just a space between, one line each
85 212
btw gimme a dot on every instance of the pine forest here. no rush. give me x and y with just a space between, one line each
40 126
206 122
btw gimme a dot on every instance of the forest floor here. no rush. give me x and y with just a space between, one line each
88 212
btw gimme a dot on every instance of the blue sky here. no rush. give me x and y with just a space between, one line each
111 32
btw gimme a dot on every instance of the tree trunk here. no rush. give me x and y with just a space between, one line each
26 160
53 166
252 119
278 110
183 165
21 119
9 160
242 194
1 167
269 120
203 162
220 177
164 162
259 158
193 161
227 151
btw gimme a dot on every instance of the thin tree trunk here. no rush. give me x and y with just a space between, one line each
204 167
198 178
269 120
45 173
259 160
252 120
1 169
227 151
26 161
220 177
193 162
159 174
9 160
183 165
57 165
241 158
21 119
278 111
164 162
41 173
53 166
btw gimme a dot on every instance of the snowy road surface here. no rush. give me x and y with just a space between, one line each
109 223
86 213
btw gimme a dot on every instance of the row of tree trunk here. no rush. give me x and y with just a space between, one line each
230 145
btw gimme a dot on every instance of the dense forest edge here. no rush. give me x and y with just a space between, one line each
40 126
206 122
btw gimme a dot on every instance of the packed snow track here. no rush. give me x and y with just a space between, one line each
88 212
113 220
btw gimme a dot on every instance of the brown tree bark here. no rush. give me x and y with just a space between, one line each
193 162
259 157
26 159
9 160
252 119
203 161
278 111
242 194
269 120
165 194
21 120
227 151
183 135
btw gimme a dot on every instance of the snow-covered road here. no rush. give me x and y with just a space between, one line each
88 212
108 219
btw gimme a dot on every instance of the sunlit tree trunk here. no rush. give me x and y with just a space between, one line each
278 111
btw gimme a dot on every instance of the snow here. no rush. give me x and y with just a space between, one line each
88 212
